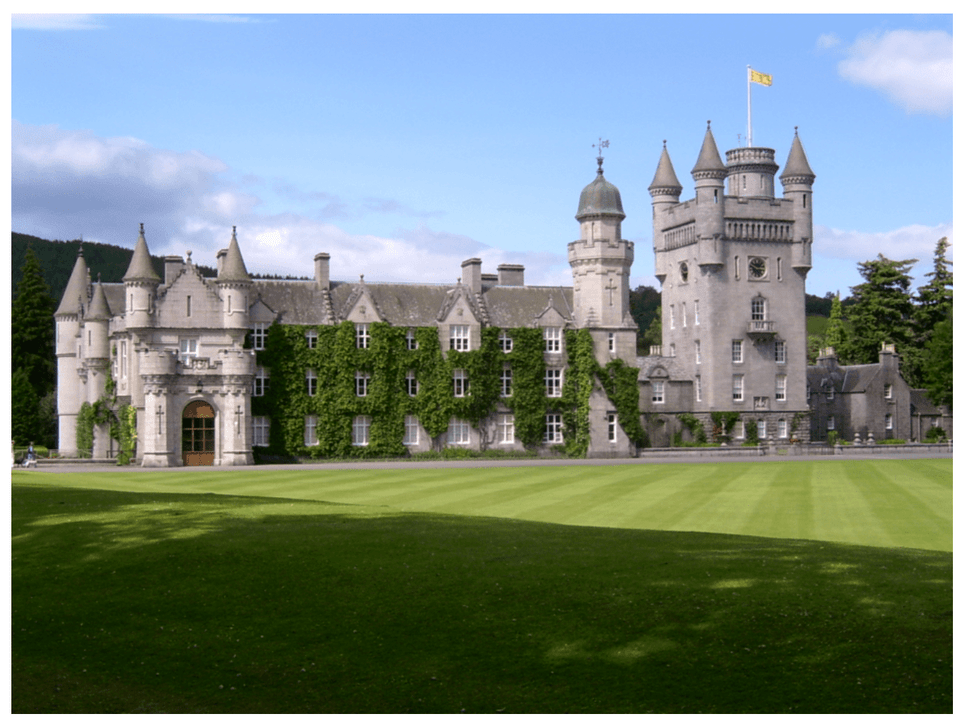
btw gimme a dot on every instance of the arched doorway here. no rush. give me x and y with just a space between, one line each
198 434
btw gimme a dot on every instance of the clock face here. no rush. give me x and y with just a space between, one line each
758 268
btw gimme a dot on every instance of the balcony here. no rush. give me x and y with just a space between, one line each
759 329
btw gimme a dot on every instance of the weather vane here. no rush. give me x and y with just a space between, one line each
602 144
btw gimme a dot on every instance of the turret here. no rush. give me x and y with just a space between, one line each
96 324
708 175
665 191
69 387
235 284
140 283
797 179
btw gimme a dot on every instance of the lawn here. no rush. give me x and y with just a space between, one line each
428 591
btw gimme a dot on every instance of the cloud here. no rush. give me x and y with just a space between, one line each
911 242
913 68
54 21
827 41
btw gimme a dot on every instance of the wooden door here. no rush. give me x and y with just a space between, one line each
199 435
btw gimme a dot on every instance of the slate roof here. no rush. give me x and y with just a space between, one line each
76 290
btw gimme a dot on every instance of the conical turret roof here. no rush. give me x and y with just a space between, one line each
797 165
709 160
600 197
140 267
99 308
665 177
76 292
233 268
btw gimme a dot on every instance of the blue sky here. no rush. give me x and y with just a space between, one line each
403 145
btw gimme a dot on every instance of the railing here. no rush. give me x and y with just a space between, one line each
761 326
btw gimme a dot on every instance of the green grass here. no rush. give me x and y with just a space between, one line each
377 591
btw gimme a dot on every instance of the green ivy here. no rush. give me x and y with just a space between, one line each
85 422
620 382
723 423
582 367
695 427
127 423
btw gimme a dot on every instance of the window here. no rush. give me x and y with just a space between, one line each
781 389
696 312
505 428
363 336
611 427
460 338
551 336
684 271
698 386
736 267
830 393
673 317
683 314
188 351
310 430
311 382
761 429
888 391
888 421
261 382
758 309
506 342
361 431
696 348
413 387
123 359
611 342
259 335
261 431
506 381
554 433
737 351
411 430
739 430
831 423
780 269
363 383
782 428
554 381
311 339
738 388
190 305
461 383
780 351
458 431
411 340
657 391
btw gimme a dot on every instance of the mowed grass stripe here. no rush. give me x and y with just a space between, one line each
786 508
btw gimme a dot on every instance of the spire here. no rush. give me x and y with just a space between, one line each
99 309
797 165
140 266
709 162
76 291
665 180
600 197
233 269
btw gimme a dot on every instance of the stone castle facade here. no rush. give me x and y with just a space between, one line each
183 349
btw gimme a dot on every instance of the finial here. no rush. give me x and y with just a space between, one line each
234 232
708 124
664 144
796 130
602 144
141 229
189 252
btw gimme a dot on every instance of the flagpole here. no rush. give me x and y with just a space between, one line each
749 120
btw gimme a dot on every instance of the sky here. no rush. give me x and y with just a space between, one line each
403 145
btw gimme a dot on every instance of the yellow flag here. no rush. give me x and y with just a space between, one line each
760 78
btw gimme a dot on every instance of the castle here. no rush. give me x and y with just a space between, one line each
192 355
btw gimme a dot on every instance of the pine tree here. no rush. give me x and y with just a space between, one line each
939 362
836 335
934 301
31 328
883 312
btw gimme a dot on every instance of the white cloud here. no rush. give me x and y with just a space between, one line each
53 21
827 41
914 68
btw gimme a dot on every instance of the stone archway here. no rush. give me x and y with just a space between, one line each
198 434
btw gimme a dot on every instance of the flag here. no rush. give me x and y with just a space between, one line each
760 78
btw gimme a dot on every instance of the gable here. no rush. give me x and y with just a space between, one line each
189 302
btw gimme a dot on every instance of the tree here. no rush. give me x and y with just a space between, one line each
653 335
836 335
25 425
882 311
31 328
934 302
939 362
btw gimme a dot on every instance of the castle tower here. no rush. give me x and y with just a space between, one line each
94 334
601 259
71 391
797 179
234 283
140 282
708 175
665 191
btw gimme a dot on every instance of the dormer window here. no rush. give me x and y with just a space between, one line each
460 338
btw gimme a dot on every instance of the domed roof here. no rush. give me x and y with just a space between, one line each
600 198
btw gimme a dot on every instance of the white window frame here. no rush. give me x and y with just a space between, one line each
259 337
888 391
189 350
698 386
460 338
412 340
888 422
311 336
761 429
506 381
413 385
831 393
658 391
505 429
123 357
611 342
738 388
310 431
261 431
673 318
698 353
360 431
261 382
553 336
831 423
411 430
782 429
362 331
780 391
458 431
780 352
554 382
311 378
736 351
696 312
506 343
461 383
362 383
758 309
683 313
611 426
554 429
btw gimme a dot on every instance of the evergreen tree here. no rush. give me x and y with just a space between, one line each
31 328
939 362
836 335
883 312
653 335
935 299
25 425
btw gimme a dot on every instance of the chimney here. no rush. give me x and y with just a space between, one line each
472 275
321 270
172 265
827 357
889 357
220 255
510 275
